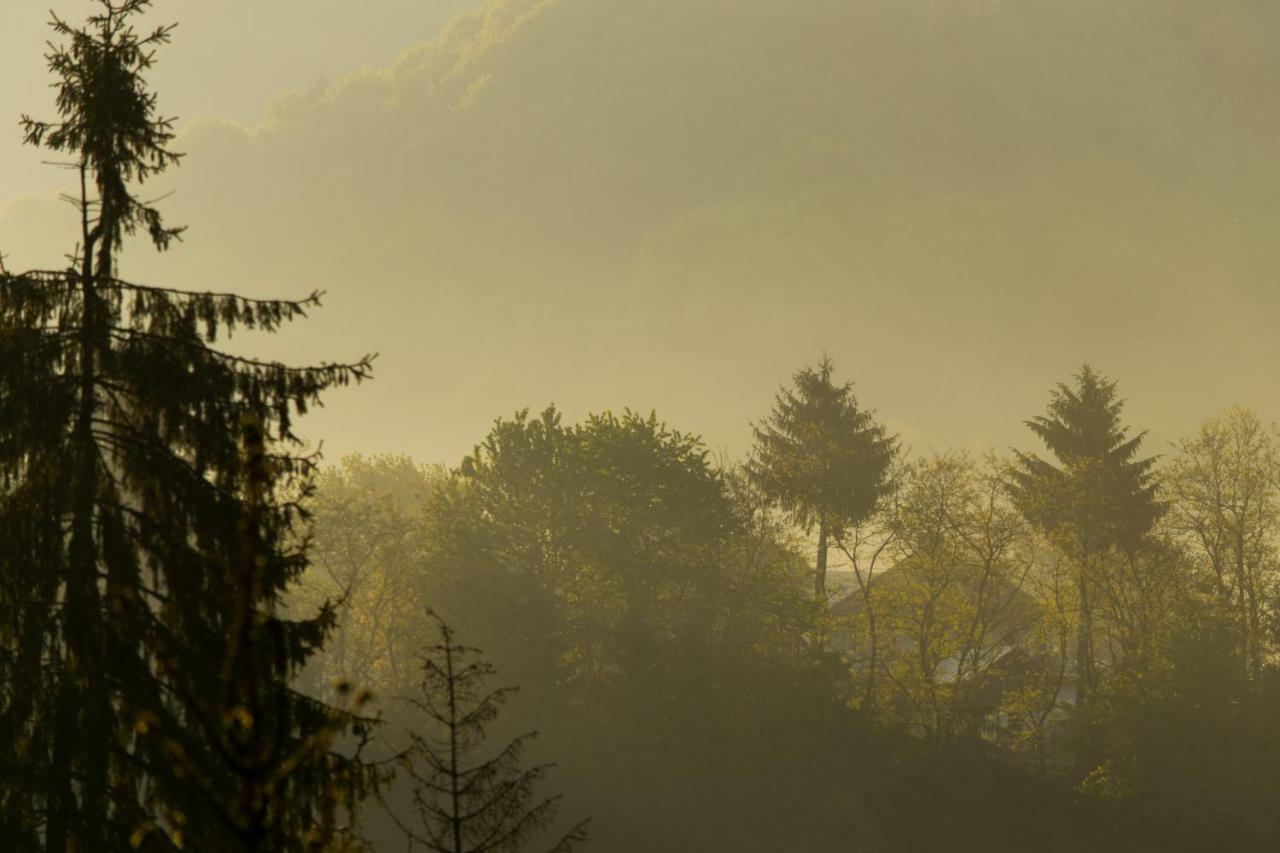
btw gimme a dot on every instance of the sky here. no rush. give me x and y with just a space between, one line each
674 205
230 59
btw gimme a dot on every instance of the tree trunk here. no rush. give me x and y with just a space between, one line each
820 574
81 718
1086 677
872 659
455 774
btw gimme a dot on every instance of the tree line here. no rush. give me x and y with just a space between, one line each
843 632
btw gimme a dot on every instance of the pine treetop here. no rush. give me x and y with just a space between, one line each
820 455
1099 485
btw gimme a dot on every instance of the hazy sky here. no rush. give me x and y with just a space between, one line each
672 205
230 58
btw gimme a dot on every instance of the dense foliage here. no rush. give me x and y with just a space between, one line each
145 528
821 458
658 608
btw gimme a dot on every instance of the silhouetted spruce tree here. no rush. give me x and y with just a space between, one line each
465 802
271 749
126 510
1099 497
821 458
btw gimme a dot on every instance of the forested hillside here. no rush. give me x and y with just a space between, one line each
1069 646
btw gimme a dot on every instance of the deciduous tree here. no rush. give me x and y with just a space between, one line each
369 517
954 602
1224 506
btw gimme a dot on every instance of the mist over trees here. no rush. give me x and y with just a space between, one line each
1014 653
213 640
660 173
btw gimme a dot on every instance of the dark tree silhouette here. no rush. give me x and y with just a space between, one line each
821 458
262 764
1100 496
127 509
467 803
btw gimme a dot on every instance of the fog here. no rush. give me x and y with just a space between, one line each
657 205
760 425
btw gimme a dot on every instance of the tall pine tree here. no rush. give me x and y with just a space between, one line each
821 458
1101 496
128 518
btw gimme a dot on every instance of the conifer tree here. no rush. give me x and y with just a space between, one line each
270 748
465 802
821 457
1099 497
126 509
